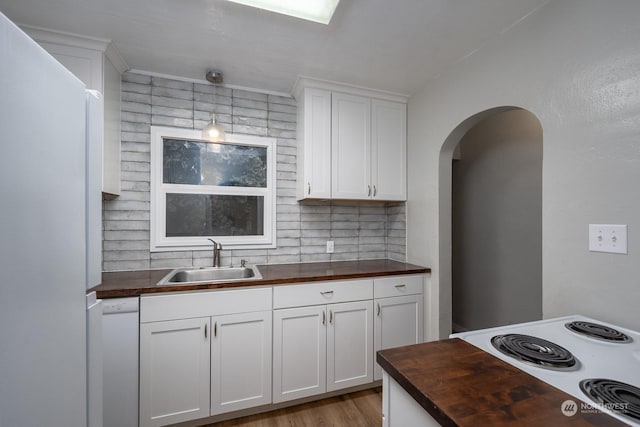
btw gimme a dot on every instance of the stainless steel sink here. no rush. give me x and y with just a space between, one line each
188 276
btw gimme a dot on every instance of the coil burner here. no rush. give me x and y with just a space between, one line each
616 396
536 351
597 331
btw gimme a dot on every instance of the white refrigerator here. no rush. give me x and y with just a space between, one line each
48 249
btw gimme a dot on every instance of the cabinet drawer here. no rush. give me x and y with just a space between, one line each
185 305
397 285
322 293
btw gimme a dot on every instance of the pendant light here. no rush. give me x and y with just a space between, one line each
212 131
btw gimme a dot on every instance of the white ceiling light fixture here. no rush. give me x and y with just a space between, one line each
212 132
312 10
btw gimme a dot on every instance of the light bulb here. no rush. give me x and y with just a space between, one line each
212 132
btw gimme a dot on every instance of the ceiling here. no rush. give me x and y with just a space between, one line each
388 45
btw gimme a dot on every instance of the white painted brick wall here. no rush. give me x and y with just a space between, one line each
360 230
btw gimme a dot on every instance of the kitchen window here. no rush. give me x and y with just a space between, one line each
201 190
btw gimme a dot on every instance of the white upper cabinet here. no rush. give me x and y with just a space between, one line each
350 147
351 142
388 150
98 66
314 148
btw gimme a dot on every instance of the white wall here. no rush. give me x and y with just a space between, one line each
497 223
575 65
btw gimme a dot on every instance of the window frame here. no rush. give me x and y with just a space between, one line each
159 242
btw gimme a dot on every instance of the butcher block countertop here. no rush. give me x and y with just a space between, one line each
460 385
134 283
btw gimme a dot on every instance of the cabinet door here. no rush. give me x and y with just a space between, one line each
314 153
174 371
389 150
240 361
349 344
398 322
350 147
299 352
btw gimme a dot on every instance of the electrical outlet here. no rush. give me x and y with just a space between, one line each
608 238
330 246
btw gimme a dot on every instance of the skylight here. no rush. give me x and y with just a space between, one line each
313 10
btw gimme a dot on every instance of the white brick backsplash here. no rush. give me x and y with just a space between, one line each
173 93
171 112
126 215
360 230
282 108
171 102
126 245
245 94
279 133
250 130
284 100
250 112
282 117
172 84
135 107
141 98
172 122
136 78
249 103
135 176
275 124
131 87
249 121
127 116
135 138
315 257
207 89
126 205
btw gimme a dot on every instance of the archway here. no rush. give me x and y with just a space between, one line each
492 296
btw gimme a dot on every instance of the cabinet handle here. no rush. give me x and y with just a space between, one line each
324 317
308 188
326 293
215 329
205 331
369 191
398 287
378 311
331 317
375 191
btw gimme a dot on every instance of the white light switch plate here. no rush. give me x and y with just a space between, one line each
608 238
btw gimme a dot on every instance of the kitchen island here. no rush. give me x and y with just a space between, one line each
454 383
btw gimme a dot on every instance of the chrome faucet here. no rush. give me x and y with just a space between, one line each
217 247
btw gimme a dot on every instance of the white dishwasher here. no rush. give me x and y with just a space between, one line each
120 326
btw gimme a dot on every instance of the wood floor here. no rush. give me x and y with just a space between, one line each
363 409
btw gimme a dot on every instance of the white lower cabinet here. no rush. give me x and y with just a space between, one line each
399 313
398 322
349 344
174 371
216 360
208 353
322 348
240 361
299 352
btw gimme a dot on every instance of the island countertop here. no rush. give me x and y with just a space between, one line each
134 283
459 384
